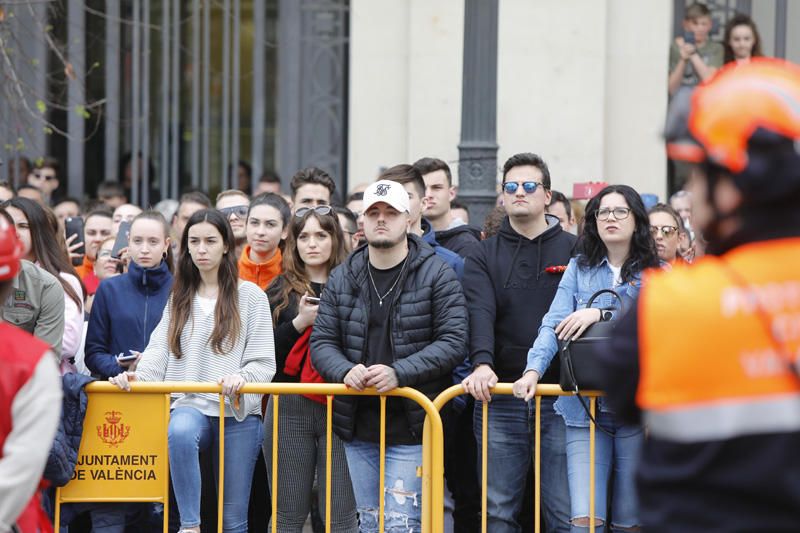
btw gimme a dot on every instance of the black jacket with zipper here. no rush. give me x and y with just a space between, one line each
509 290
429 326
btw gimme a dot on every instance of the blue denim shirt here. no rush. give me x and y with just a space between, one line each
577 286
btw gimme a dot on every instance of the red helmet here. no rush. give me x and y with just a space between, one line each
10 250
746 120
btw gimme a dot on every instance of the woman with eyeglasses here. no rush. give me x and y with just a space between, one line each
267 222
667 229
215 328
314 247
37 228
127 308
616 246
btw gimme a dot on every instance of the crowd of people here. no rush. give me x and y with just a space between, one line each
396 289
393 289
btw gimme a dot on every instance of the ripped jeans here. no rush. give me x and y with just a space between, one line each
403 489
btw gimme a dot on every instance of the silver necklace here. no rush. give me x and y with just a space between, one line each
382 298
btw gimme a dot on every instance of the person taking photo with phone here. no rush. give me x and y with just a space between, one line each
127 308
314 247
215 328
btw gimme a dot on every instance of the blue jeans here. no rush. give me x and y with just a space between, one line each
190 431
402 490
510 442
619 453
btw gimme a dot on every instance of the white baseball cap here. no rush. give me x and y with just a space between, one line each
388 192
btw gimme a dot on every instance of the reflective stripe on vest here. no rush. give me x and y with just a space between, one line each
726 420
708 368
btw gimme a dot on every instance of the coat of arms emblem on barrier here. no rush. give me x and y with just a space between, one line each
113 432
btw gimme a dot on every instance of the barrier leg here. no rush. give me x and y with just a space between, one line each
537 465
484 466
274 488
592 403
382 476
221 489
328 453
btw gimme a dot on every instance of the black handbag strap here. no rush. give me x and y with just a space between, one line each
604 291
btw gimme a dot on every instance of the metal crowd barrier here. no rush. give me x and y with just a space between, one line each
115 416
541 390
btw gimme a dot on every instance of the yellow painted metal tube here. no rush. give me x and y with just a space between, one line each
484 465
328 467
592 403
382 476
221 489
537 465
57 521
275 400
166 478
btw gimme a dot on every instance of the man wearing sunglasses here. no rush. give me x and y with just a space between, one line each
234 204
509 287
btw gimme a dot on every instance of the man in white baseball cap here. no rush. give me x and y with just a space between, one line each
392 315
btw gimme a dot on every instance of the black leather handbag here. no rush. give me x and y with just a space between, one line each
579 366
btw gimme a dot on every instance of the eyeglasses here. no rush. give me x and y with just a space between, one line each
666 231
511 187
104 253
620 213
239 210
320 210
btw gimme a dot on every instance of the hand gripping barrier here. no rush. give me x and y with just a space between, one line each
125 439
541 390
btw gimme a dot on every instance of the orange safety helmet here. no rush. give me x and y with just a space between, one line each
10 250
745 120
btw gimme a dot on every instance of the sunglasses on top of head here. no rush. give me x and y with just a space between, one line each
511 187
320 210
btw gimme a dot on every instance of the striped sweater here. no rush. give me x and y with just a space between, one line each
253 355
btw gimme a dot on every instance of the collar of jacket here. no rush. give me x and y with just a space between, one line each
150 278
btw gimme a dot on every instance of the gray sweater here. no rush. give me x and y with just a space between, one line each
253 355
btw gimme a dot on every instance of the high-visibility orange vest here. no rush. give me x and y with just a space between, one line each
708 367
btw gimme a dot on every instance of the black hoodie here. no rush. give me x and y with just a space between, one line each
508 292
460 239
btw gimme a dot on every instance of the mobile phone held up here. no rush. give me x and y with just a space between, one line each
126 358
74 226
121 241
688 37
313 300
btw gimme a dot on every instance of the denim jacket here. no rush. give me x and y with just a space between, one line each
576 288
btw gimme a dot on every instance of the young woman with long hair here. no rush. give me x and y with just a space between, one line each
215 328
616 246
128 307
38 235
266 227
741 41
314 246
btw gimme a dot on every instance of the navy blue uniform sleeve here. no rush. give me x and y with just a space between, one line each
620 357
97 356
479 291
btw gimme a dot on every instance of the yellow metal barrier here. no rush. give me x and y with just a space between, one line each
541 390
123 425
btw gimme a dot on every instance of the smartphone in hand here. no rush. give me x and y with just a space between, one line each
74 226
313 300
121 241
688 37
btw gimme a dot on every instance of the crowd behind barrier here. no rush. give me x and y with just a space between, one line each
386 366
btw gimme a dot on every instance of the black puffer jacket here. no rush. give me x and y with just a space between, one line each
429 325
